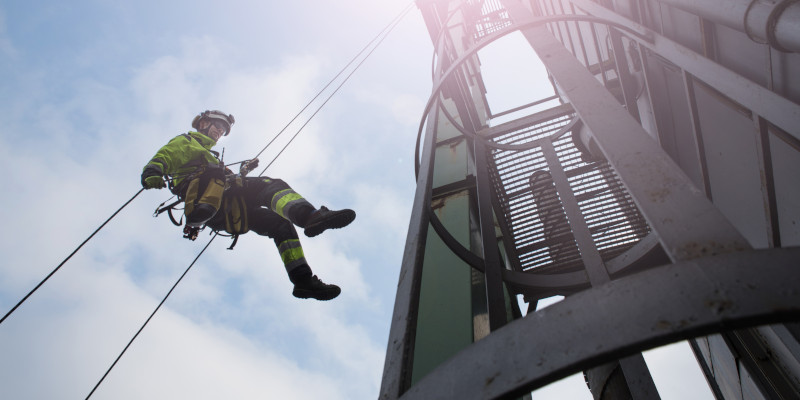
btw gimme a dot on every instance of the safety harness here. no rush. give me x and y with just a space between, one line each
225 195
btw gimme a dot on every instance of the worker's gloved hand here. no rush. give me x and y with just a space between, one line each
153 182
248 166
152 178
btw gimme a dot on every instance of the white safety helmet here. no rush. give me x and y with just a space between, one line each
214 115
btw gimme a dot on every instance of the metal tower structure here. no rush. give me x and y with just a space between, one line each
656 188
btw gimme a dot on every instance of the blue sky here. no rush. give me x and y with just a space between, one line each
92 88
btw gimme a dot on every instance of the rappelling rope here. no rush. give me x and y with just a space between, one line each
388 29
379 38
69 256
150 317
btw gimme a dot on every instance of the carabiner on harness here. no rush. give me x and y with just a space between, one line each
168 208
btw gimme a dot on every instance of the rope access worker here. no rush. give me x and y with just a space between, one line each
215 197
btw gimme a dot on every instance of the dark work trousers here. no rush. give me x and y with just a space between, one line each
273 209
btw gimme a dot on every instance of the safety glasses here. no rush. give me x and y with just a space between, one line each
220 125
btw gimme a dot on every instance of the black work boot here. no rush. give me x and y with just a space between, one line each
324 218
312 287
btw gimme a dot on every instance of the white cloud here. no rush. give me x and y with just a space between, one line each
382 209
173 358
350 348
406 108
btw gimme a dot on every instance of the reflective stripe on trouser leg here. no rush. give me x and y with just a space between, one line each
291 254
284 201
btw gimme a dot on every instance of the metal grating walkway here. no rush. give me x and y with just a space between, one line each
530 202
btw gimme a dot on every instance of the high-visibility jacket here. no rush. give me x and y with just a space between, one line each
183 155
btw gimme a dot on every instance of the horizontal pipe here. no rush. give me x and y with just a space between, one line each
774 22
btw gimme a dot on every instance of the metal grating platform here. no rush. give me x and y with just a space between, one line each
530 202
490 16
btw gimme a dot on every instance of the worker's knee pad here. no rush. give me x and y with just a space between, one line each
200 214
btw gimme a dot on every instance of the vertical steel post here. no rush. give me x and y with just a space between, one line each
495 293
396 371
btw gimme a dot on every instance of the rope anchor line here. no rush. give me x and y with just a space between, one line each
69 256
